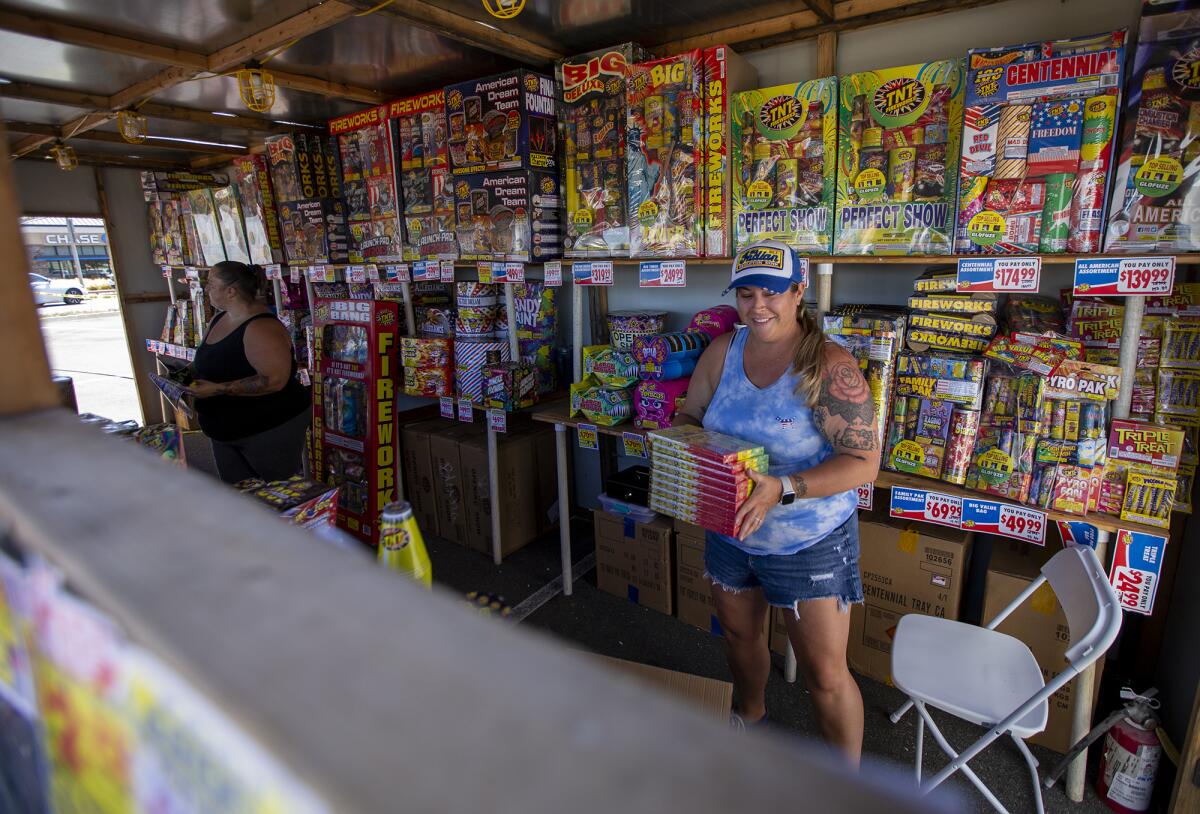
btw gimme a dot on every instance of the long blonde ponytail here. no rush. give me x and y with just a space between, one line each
809 362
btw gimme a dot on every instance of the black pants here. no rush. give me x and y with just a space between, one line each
273 454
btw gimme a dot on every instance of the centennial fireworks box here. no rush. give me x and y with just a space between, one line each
664 140
418 131
368 156
1038 137
507 216
898 152
592 115
250 176
784 146
725 74
502 122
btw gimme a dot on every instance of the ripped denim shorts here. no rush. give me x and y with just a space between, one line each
827 568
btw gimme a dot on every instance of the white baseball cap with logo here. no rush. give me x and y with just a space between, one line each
769 264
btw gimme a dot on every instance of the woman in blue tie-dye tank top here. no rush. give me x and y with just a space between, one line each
778 382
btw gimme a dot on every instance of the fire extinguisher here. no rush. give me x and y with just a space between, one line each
1131 754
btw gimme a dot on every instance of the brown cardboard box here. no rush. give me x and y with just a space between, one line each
448 481
709 694
633 560
906 568
693 591
522 493
779 636
418 473
1040 623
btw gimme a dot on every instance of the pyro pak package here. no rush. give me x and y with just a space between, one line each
418 128
369 185
502 122
725 74
508 216
664 139
784 148
1038 137
592 113
307 184
1156 204
355 432
898 151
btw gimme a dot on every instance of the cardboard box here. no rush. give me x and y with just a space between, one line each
633 560
449 487
906 568
1040 623
418 473
779 636
712 695
693 592
522 492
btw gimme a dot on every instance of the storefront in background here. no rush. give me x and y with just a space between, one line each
67 248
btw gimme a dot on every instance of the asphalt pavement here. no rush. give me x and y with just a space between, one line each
87 343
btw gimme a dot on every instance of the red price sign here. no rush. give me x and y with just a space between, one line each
1146 275
1130 586
866 496
356 274
397 274
466 411
446 407
484 270
166 271
1018 274
497 421
295 274
447 271
552 272
1021 523
945 510
372 272
514 272
602 272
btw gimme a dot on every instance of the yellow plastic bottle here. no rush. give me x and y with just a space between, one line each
401 546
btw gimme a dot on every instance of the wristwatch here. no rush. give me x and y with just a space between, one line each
789 492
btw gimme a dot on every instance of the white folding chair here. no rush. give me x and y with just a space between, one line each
991 679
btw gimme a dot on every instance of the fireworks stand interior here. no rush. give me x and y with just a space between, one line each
467 211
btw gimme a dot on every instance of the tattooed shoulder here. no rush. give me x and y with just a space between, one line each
844 412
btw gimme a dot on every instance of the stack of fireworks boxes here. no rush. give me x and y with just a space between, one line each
700 476
308 192
1177 397
1141 476
503 159
513 385
428 366
368 152
874 335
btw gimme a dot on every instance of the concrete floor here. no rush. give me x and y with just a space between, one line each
615 627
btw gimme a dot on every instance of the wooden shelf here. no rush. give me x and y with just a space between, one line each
558 414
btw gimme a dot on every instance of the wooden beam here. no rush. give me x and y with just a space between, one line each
296 27
523 47
324 87
25 375
106 160
827 54
56 96
41 28
210 161
157 110
822 8
117 138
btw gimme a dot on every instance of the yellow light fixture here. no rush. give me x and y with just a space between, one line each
132 125
257 88
64 156
504 9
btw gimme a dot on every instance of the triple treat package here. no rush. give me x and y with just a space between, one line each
784 165
1039 134
898 151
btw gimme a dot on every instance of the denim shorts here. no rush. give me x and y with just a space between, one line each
827 568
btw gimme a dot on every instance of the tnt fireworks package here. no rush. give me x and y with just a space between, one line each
592 112
663 141
369 185
784 170
725 74
507 216
1038 137
502 122
1156 205
898 152
418 128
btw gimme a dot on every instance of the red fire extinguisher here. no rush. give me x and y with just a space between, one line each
1131 754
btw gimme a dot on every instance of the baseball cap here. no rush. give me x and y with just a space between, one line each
769 264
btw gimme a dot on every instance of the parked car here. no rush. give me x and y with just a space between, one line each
47 291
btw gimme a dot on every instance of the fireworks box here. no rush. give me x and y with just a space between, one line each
1156 204
664 141
592 115
502 122
1038 137
368 165
507 216
312 219
696 443
941 376
250 176
784 146
980 303
314 231
874 337
1140 442
418 131
725 74
898 153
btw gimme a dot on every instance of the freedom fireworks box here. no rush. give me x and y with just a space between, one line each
502 122
664 141
368 168
784 145
507 216
898 154
725 74
418 131
592 117
1038 137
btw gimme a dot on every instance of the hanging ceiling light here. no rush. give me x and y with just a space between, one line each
64 156
257 88
132 125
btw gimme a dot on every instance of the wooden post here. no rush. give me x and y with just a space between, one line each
827 54
1186 796
25 375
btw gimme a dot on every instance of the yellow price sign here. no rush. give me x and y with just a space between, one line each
504 9
589 437
635 444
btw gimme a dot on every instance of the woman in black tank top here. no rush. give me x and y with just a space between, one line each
247 397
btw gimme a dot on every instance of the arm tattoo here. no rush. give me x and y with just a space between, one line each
254 385
844 412
798 485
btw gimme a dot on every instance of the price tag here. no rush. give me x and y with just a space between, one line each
497 420
305 379
190 273
1133 276
944 510
397 273
662 273
589 438
446 407
372 272
514 272
485 272
981 515
866 496
166 272
592 272
1021 523
999 274
446 268
1136 566
634 443
323 274
295 274
1076 532
552 272
426 271
356 274
272 272
466 411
